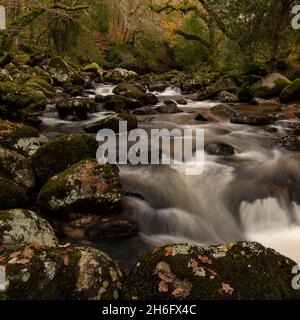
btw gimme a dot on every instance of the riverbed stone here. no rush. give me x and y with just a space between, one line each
86 187
219 149
130 90
291 92
59 154
78 106
253 119
20 226
234 271
71 273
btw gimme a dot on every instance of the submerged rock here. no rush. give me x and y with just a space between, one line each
219 149
72 273
78 106
290 142
86 187
242 270
19 226
253 120
61 153
144 111
169 107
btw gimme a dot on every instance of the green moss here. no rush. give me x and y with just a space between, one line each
258 90
61 153
291 92
41 85
93 67
11 195
130 90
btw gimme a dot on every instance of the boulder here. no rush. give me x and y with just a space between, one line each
41 85
19 226
227 97
218 113
169 107
219 149
144 111
86 187
235 271
227 83
290 142
252 119
183 102
119 103
291 92
119 75
93 68
17 168
72 273
21 138
78 106
112 122
61 72
269 87
149 99
130 90
61 153
11 195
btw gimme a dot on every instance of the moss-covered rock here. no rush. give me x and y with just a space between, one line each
119 75
93 68
21 138
17 168
291 92
227 82
73 273
61 153
244 270
11 195
62 72
130 90
270 86
80 107
41 85
86 187
119 103
112 122
20 226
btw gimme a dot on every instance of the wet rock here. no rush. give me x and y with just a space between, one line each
77 106
242 270
93 68
169 107
114 228
200 117
149 99
112 122
99 98
130 90
269 87
227 83
86 187
183 102
21 138
227 97
74 90
20 226
291 92
288 124
118 75
61 153
11 195
290 142
145 111
119 103
217 113
158 87
17 168
252 119
219 149
4 75
264 102
72 273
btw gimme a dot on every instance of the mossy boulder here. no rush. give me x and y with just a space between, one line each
93 68
112 122
291 92
244 270
119 75
21 138
119 103
269 87
227 82
19 96
20 226
40 73
62 72
75 106
41 85
61 153
130 90
17 168
72 273
86 187
11 195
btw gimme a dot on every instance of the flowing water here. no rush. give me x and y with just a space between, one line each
253 195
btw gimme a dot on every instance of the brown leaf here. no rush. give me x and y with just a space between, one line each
2 258
226 288
163 287
164 272
37 246
168 251
22 261
205 259
14 254
155 249
177 292
27 253
213 272
230 245
66 260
